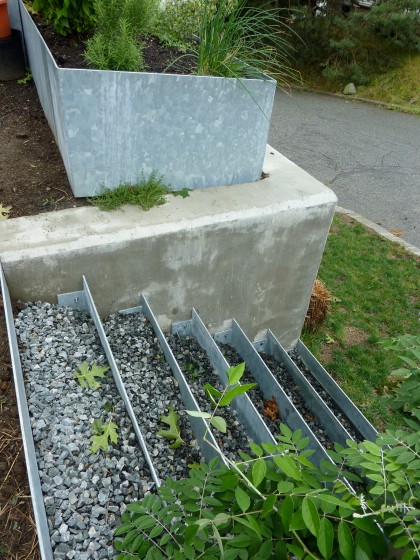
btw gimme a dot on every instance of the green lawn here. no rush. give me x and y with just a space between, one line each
376 290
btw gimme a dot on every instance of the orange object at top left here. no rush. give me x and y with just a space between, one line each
5 30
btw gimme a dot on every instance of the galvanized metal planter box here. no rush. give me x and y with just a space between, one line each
196 131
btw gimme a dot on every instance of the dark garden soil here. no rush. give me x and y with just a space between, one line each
17 530
33 181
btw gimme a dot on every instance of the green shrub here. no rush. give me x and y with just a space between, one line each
178 21
119 51
118 23
276 504
360 45
67 16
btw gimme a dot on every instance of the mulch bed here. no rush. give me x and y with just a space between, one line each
18 538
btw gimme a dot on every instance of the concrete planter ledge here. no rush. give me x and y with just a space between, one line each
249 251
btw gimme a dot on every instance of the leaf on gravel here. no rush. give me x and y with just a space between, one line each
86 375
174 432
109 435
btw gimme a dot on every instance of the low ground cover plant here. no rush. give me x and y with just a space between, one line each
277 504
146 193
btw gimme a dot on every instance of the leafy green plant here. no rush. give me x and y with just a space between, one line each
4 212
177 21
26 79
105 434
193 369
86 375
184 193
406 397
174 432
276 504
146 193
115 44
67 16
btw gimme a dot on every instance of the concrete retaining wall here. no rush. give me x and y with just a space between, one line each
248 251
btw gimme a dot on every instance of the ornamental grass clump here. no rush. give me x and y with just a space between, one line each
243 42
118 23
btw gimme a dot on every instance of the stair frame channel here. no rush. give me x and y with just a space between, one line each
247 414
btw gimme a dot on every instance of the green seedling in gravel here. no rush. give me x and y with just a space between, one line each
108 407
105 434
174 432
219 399
193 369
4 212
86 375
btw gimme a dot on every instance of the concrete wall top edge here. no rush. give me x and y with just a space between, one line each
287 188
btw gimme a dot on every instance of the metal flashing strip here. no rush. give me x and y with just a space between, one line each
349 409
333 427
199 425
117 377
25 425
76 300
242 404
270 388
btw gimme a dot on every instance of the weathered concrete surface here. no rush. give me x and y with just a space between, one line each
249 252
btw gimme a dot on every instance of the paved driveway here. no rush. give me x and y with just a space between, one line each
368 155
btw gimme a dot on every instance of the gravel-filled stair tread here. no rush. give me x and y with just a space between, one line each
152 390
339 414
85 493
198 371
290 388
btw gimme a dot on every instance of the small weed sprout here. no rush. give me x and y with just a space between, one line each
174 432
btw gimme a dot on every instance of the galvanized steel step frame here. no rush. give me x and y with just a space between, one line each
198 425
247 414
246 411
25 426
349 409
270 387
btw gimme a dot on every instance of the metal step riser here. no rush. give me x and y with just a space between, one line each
25 426
198 425
242 404
270 387
85 301
332 426
355 417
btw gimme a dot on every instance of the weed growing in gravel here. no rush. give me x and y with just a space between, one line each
174 432
146 193
105 434
86 375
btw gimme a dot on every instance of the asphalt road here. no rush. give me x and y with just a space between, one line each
369 156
